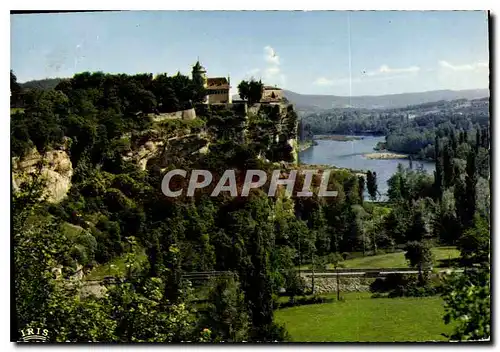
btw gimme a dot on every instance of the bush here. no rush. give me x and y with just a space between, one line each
305 301
399 285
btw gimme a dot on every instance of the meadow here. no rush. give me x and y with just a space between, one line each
360 318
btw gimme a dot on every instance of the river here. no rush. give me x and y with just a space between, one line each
350 155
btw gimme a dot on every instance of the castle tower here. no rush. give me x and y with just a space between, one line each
199 73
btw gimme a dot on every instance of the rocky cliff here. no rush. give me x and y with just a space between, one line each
55 167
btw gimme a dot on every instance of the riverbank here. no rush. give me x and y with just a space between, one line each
306 145
334 168
336 137
385 156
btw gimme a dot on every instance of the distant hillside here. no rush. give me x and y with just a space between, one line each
307 102
48 83
311 103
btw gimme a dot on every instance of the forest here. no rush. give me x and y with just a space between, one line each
119 211
409 130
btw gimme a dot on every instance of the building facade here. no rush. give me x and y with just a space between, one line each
218 88
272 95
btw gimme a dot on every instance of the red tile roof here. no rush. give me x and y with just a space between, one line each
217 83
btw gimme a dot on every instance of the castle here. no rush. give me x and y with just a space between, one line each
219 88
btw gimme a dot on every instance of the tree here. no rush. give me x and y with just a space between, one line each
336 260
361 188
470 189
226 312
255 91
142 314
448 169
251 91
15 90
418 229
371 183
419 255
244 90
438 174
474 244
467 303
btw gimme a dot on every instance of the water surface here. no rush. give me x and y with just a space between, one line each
350 155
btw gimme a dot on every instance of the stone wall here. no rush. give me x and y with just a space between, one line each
188 114
347 284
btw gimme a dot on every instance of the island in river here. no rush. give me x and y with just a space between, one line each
385 156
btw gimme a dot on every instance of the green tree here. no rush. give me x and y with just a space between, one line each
15 90
467 299
474 244
255 91
226 312
361 188
419 256
244 90
371 184
438 174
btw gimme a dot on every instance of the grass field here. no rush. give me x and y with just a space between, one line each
442 257
363 319
397 260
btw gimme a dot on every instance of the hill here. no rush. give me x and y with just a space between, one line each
308 102
48 83
311 102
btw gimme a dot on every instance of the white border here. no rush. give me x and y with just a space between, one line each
197 5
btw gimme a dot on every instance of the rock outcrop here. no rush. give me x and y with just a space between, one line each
56 169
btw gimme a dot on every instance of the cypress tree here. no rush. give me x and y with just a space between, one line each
448 170
478 138
361 188
371 183
453 141
470 189
438 174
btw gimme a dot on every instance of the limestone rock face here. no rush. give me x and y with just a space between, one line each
56 169
162 151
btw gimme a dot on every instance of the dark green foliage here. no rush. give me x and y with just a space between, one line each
419 256
400 285
361 187
467 299
226 314
251 91
412 135
371 184
474 244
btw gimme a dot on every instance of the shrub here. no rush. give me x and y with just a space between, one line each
399 285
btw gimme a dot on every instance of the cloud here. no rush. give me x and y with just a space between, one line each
323 81
270 56
253 71
270 69
467 67
384 70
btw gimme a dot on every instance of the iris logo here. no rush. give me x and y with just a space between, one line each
34 335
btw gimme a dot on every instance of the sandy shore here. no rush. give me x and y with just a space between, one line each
385 156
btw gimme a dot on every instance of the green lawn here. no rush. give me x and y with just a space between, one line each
442 256
397 260
363 319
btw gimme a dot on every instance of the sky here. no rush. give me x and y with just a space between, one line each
328 52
